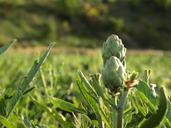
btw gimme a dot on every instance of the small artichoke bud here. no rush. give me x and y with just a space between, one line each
113 46
113 73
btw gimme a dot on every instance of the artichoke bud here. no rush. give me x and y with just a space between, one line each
113 46
113 73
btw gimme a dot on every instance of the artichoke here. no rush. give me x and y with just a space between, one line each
113 47
113 73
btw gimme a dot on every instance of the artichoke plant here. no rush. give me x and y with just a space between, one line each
131 102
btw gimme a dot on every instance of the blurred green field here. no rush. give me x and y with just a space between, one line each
58 78
62 64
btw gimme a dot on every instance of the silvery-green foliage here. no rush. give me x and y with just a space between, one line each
113 73
113 46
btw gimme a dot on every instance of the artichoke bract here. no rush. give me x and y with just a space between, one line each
113 46
113 73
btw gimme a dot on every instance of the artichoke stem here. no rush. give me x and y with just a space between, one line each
121 106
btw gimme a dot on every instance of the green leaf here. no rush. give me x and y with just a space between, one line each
89 88
83 121
167 122
28 90
94 105
169 111
147 91
145 99
54 114
6 123
25 83
156 118
95 89
95 81
2 107
66 106
5 47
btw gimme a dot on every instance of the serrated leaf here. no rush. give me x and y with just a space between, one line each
93 104
147 91
156 118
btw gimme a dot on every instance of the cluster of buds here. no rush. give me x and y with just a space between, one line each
114 68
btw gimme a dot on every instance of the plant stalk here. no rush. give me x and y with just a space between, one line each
121 105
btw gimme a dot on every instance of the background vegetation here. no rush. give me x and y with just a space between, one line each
85 23
57 96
